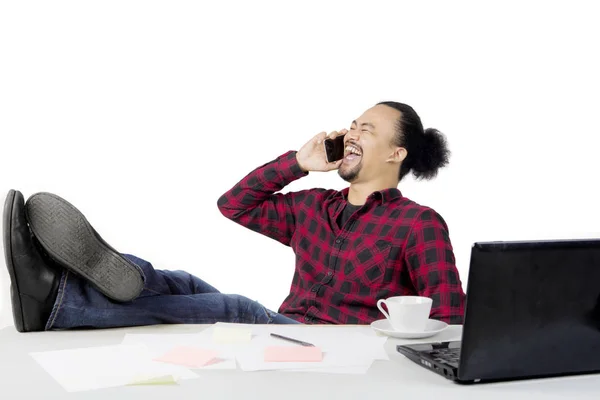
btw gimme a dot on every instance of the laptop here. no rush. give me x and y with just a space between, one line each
532 311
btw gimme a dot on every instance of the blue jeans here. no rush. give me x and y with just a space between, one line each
169 297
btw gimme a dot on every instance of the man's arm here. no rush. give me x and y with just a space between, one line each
253 203
432 268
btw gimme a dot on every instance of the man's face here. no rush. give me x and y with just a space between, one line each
368 144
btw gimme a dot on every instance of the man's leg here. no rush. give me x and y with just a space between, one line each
169 282
169 297
101 288
184 283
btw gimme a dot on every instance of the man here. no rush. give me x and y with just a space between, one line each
352 247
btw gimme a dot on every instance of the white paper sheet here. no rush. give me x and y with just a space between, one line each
342 348
159 344
106 366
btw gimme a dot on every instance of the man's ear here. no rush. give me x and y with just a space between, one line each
397 156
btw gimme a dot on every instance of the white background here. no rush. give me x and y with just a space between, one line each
142 113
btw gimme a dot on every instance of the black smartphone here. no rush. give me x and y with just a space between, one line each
334 148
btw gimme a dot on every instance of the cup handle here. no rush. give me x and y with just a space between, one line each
379 305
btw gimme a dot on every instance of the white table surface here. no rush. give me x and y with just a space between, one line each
399 378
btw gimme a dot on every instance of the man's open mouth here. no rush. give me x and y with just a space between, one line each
352 153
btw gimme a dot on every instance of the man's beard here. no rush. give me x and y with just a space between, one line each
350 174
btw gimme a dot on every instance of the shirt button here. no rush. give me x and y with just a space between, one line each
329 273
314 289
307 318
338 240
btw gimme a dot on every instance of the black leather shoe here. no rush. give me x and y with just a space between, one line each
34 280
69 239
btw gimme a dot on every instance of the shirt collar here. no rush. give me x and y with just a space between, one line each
384 196
389 195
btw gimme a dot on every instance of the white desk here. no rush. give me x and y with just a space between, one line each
399 378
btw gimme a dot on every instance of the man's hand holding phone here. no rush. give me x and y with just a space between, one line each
312 156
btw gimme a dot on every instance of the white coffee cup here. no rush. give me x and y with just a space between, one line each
406 313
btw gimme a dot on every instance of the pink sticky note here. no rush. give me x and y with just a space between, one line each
292 354
191 357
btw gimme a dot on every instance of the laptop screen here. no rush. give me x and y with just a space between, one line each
533 309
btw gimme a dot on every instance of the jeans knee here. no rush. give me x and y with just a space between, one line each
250 311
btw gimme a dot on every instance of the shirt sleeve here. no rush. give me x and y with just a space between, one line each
432 267
253 203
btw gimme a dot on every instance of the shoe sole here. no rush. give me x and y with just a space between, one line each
18 316
67 236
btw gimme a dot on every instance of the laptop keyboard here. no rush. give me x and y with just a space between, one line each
449 356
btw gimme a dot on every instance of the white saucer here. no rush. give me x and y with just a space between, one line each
433 326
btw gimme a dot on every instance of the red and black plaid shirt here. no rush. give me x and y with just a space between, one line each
390 247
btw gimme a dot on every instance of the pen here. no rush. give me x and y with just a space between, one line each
293 340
